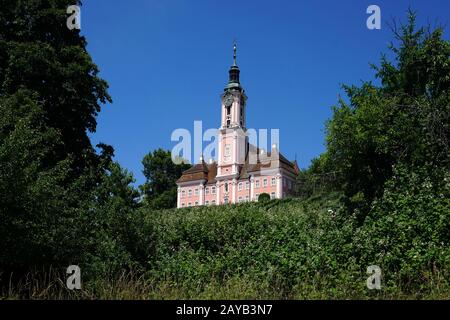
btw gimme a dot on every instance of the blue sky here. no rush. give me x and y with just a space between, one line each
167 62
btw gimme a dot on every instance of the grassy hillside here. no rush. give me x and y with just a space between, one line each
281 249
288 249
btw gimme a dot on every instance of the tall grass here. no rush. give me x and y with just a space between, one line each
283 249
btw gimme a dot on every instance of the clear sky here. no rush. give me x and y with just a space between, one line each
167 62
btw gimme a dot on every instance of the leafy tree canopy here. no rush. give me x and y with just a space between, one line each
161 174
406 120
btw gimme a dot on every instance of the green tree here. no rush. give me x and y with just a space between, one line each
118 239
38 52
404 121
161 173
61 202
38 209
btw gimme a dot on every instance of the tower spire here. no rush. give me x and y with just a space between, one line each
234 53
233 81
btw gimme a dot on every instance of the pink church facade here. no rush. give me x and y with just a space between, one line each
242 171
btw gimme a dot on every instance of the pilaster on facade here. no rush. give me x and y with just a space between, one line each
235 152
252 188
233 197
279 186
217 193
202 194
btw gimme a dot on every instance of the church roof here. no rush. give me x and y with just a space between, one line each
264 161
200 171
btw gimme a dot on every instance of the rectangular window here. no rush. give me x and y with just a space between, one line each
272 182
183 193
257 196
207 202
272 195
240 199
189 204
213 190
240 186
213 202
207 191
196 191
265 182
247 185
257 183
247 198
190 193
196 203
183 205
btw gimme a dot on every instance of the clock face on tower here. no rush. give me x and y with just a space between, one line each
228 100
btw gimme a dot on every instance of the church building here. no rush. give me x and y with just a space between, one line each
242 171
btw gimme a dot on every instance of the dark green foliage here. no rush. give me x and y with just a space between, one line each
34 202
408 229
318 178
405 121
61 203
38 52
160 190
51 219
264 197
304 249
273 243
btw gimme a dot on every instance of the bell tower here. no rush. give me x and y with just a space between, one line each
232 133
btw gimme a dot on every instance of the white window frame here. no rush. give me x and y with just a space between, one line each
240 185
265 182
273 182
